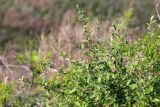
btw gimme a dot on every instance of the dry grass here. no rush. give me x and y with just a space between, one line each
66 38
10 68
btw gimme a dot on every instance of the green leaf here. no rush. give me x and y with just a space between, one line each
82 46
35 58
77 104
20 57
133 86
149 89
128 82
155 100
63 54
108 76
99 79
72 91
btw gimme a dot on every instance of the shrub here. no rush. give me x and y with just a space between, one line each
124 74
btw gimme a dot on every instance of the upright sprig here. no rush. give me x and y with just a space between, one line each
83 19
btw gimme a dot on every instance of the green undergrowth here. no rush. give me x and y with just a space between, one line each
6 92
124 74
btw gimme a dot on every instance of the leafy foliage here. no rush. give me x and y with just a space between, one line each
124 74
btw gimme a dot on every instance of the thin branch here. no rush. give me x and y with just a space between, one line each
5 64
19 66
157 5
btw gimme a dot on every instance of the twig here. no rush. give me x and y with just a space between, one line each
156 5
5 64
19 66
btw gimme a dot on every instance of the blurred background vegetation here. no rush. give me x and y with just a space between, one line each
26 17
